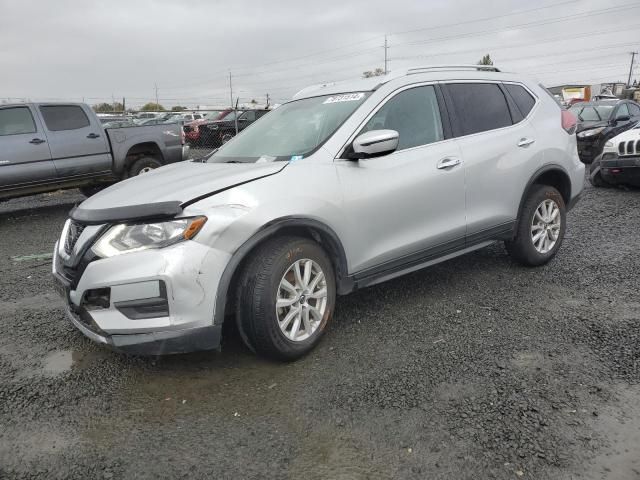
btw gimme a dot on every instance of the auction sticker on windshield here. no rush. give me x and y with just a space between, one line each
348 97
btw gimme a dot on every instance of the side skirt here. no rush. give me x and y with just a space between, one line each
383 276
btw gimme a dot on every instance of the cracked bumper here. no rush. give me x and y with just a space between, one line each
188 273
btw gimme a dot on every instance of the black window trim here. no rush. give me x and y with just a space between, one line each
447 132
44 120
450 105
33 118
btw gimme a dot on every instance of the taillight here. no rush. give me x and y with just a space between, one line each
569 122
182 135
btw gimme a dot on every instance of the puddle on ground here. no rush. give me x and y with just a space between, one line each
62 361
620 427
57 363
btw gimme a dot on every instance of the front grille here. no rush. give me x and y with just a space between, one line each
73 233
631 147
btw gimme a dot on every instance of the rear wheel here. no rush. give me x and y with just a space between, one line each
541 227
144 165
286 298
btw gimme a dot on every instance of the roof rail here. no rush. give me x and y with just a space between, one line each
426 68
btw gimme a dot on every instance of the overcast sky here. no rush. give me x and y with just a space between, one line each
93 50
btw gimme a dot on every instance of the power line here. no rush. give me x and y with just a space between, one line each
575 16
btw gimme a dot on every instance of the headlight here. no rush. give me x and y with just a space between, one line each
125 238
590 133
609 144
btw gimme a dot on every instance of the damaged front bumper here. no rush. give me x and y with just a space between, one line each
151 302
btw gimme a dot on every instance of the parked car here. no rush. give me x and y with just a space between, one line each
619 163
348 185
118 124
600 121
219 132
192 129
49 146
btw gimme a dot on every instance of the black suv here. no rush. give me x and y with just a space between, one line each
600 121
215 133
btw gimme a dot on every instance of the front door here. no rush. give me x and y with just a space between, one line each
24 151
406 207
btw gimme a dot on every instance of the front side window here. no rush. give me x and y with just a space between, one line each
291 131
64 117
634 109
16 121
623 111
479 107
249 116
414 114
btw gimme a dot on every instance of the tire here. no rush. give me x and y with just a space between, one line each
522 248
226 137
91 190
260 285
143 165
595 179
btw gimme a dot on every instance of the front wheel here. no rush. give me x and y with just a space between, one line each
286 298
541 227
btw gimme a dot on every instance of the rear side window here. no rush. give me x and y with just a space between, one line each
16 121
414 114
64 117
523 99
251 116
634 109
479 107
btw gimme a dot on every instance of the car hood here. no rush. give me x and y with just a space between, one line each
589 125
179 183
633 134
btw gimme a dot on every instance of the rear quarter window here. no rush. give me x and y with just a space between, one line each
64 117
522 98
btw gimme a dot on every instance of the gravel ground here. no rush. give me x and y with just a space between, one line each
475 368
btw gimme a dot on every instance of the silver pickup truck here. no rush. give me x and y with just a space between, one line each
51 146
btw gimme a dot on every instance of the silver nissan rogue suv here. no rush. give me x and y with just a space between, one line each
347 185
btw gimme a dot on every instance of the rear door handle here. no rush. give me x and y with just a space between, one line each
525 142
448 162
37 141
93 135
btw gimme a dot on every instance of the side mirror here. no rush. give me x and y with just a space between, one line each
623 118
374 144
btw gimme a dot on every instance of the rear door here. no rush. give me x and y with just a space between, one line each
77 141
500 150
24 151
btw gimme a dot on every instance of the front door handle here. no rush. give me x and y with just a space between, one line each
37 141
448 162
93 135
525 142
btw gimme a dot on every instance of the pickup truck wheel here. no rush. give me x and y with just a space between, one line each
285 298
541 227
143 165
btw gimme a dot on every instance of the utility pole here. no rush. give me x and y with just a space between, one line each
386 59
156 87
230 89
267 100
633 57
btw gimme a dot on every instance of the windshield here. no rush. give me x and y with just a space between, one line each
212 115
292 131
592 113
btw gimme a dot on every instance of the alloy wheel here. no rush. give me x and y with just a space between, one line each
301 300
545 226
